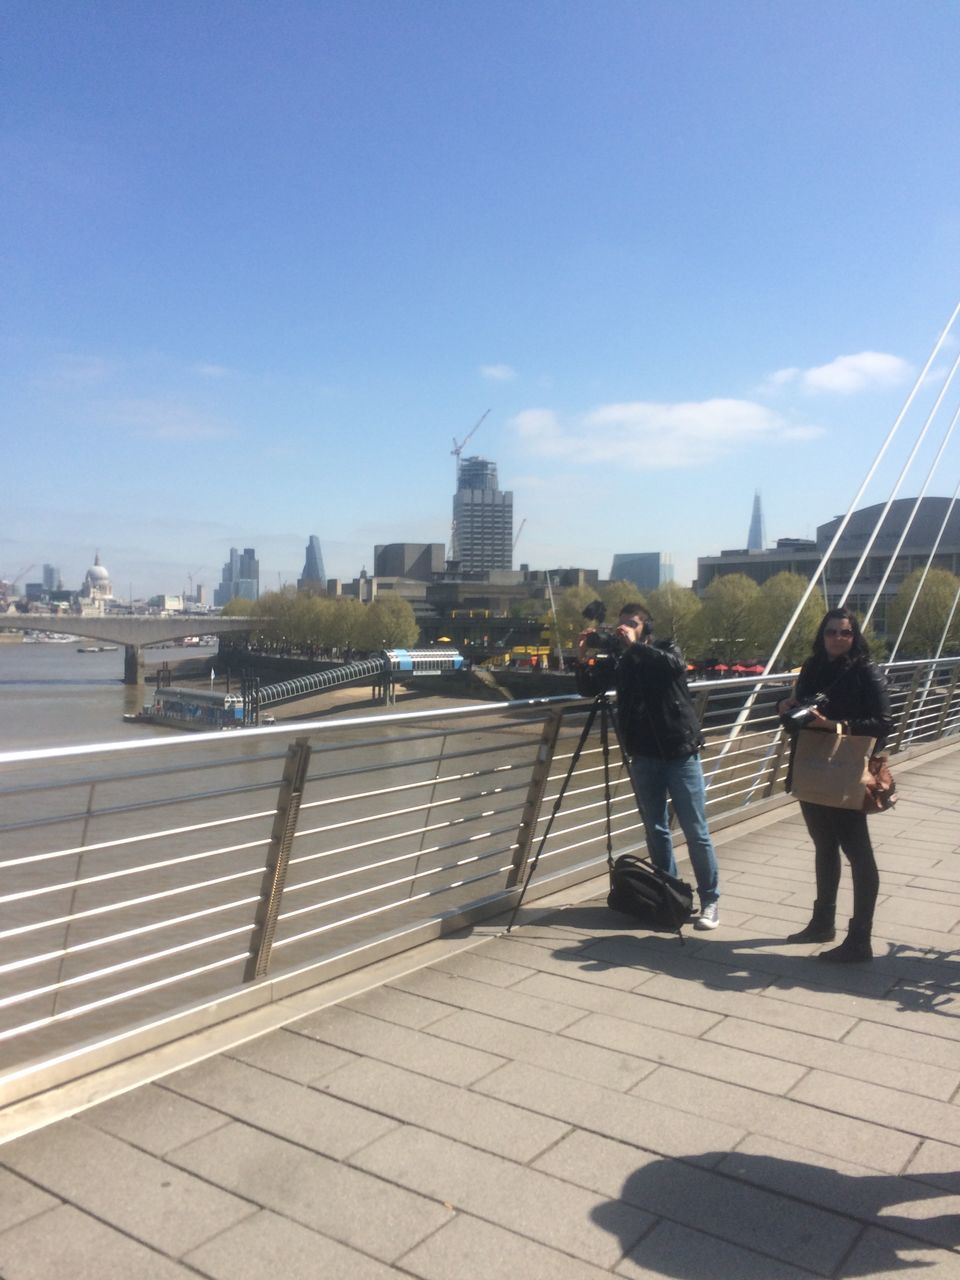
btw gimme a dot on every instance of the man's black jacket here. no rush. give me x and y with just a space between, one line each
654 709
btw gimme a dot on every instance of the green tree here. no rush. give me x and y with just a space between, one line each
616 594
929 617
569 621
727 621
388 623
774 607
676 611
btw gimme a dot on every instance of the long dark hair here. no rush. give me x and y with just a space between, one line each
859 650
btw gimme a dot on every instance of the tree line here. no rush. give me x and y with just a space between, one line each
737 620
734 621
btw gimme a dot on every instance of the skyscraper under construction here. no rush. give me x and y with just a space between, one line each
482 518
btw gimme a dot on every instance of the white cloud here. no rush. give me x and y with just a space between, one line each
82 371
866 371
648 436
212 370
498 372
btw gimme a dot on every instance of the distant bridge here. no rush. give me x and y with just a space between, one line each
132 630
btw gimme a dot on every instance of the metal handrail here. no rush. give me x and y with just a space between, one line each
121 928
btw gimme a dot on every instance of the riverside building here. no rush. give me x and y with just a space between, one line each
482 519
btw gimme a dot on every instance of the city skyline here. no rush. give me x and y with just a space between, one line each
262 266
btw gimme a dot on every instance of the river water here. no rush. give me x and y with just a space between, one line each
53 696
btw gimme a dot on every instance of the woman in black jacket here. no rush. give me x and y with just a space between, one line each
853 697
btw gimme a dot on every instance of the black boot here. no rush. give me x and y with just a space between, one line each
821 927
854 948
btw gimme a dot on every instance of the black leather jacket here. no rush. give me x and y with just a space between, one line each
655 711
856 695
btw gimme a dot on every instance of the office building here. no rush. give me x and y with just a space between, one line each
645 569
419 560
313 577
241 577
482 519
51 578
756 534
803 555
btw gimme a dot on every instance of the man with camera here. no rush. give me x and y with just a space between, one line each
660 733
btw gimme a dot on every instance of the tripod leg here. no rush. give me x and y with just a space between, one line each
588 725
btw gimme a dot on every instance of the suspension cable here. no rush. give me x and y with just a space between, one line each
921 436
926 570
913 512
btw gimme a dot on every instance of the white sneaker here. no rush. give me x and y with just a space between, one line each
709 917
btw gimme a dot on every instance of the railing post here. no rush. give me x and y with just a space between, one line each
907 708
947 699
278 858
535 793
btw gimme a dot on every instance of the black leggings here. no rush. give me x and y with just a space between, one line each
832 830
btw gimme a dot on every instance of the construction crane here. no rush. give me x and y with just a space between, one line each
519 531
13 582
456 452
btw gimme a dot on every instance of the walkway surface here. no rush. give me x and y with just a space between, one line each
574 1101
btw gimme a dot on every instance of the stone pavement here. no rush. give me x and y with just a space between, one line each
573 1101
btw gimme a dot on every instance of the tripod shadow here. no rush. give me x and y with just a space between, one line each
789 1210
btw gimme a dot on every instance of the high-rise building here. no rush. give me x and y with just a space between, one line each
418 560
313 576
51 577
241 577
645 569
757 537
482 518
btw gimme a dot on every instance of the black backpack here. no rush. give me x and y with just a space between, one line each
654 899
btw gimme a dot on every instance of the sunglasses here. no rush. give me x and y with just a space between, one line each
833 631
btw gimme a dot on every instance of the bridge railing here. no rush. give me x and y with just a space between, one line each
153 887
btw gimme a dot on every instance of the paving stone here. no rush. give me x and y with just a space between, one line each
927 1117
400 1007
403 1046
268 1244
481 966
71 1245
661 1128
131 1190
803 1126
843 1058
634 1007
882 1253
891 1201
922 1044
704 1200
755 1070
293 1056
926 1012
463 993
345 1203
465 1115
569 960
673 1250
938 1164
153 1118
472 1250
290 1110
532 1203
584 1061
771 1010
20 1201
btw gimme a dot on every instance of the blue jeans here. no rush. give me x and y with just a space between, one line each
682 780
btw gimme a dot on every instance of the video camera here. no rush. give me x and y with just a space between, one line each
800 715
604 639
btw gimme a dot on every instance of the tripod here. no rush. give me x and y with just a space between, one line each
607 717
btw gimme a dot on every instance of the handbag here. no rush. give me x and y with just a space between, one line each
881 792
832 768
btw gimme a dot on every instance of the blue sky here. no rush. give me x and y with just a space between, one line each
261 263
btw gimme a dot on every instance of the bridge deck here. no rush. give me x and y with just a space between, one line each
573 1101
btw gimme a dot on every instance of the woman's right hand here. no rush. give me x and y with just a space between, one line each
787 705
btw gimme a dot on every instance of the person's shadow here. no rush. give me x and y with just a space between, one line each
716 1204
